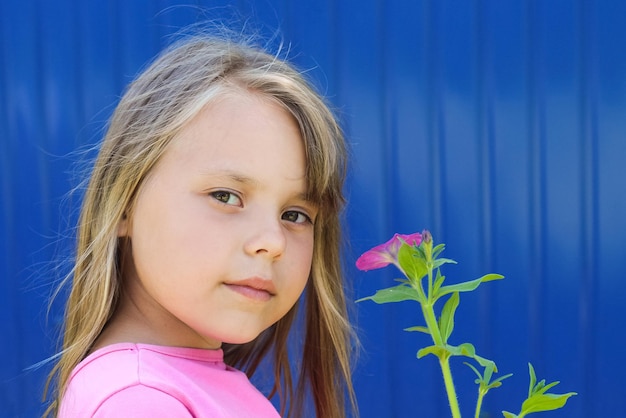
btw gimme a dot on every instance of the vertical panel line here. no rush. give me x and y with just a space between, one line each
388 157
436 122
484 135
537 201
42 134
7 170
435 132
588 183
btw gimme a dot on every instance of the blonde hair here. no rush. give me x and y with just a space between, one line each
174 88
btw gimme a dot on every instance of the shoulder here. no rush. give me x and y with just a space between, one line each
120 378
141 401
140 380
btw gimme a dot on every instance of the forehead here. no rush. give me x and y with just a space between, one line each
240 132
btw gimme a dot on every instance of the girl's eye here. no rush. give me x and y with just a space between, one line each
227 198
296 217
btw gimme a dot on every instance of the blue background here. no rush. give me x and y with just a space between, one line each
498 125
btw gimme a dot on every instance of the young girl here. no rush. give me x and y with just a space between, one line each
212 206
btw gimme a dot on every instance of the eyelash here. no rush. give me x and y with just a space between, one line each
219 195
307 218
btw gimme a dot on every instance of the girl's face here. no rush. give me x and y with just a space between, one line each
222 231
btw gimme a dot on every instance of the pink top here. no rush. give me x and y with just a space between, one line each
140 380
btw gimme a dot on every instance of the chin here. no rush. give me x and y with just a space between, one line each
239 339
249 338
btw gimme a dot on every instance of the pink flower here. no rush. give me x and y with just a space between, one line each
387 253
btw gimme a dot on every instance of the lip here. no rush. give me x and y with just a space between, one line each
255 288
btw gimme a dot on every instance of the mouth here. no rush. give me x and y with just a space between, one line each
254 288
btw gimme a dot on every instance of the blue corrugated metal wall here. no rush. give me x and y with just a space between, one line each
498 125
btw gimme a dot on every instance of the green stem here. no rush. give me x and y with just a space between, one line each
479 403
433 328
430 282
447 378
431 323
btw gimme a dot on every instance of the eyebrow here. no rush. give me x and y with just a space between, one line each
232 175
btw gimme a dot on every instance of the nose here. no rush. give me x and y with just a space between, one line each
266 238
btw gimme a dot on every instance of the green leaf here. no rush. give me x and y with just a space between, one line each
545 402
438 351
480 376
398 293
486 362
508 414
489 369
438 249
412 265
498 382
533 379
441 261
465 349
491 277
438 282
538 400
544 388
468 286
446 321
418 329
484 380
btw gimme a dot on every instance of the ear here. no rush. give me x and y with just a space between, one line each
123 227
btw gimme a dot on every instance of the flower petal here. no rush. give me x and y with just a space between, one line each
414 239
384 254
372 260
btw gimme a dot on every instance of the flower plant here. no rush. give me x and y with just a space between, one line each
419 260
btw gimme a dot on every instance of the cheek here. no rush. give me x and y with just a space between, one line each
158 251
302 267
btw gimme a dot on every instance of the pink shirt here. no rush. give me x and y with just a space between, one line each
140 380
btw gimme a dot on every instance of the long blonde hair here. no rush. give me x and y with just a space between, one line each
174 88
